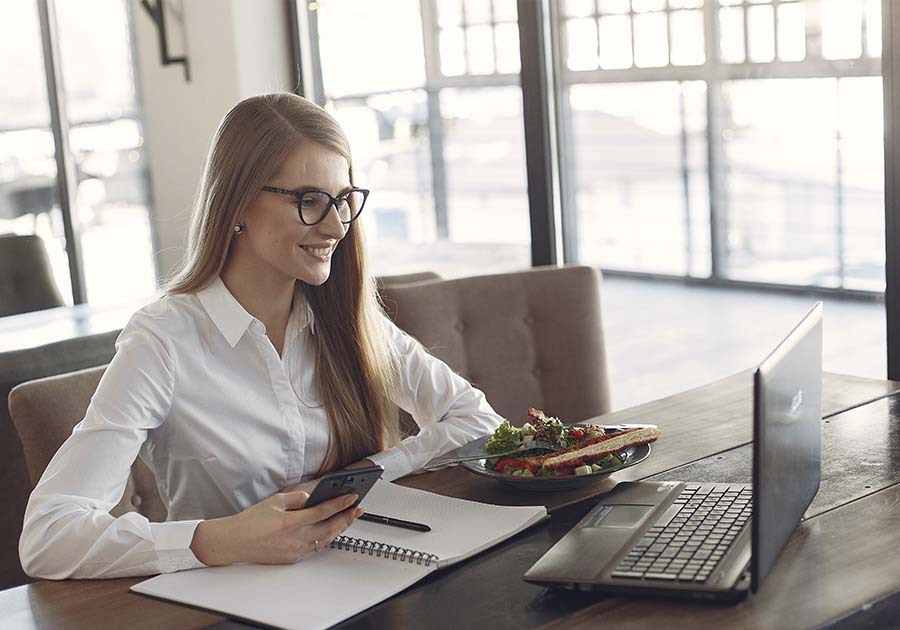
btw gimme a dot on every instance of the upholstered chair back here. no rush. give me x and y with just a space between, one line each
44 413
527 339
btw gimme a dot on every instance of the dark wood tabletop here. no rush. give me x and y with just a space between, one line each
840 566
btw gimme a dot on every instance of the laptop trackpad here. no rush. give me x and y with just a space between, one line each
617 516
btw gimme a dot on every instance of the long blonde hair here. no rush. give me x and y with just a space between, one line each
355 367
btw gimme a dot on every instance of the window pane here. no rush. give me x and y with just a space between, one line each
841 29
613 6
862 171
650 40
782 181
389 62
581 43
873 28
633 185
449 12
480 49
508 59
761 33
731 26
505 11
791 32
487 198
579 8
687 38
111 202
477 11
453 52
640 6
615 42
446 169
28 193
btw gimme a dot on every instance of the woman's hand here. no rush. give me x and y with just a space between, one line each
277 530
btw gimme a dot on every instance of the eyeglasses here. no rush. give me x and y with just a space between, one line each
314 205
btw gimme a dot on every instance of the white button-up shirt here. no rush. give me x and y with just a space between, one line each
197 390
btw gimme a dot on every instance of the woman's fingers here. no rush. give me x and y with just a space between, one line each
293 500
332 527
320 512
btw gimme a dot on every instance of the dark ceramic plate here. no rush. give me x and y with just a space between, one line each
630 457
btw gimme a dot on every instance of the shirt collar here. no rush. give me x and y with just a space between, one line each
232 319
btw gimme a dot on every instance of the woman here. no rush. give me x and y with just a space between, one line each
267 363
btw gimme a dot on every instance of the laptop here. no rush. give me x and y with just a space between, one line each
712 541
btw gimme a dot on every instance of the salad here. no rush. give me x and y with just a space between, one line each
543 431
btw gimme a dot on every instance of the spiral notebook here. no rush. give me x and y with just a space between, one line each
365 566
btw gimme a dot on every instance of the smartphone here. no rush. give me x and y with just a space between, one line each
347 481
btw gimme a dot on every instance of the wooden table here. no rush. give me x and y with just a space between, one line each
842 560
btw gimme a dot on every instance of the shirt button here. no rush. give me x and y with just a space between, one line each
136 500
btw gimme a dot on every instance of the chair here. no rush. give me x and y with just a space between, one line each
26 283
526 339
17 367
44 413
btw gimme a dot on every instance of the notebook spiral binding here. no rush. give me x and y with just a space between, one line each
382 550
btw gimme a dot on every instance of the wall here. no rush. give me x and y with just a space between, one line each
236 48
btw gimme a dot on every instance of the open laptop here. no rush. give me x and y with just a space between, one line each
710 541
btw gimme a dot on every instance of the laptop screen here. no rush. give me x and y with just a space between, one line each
787 440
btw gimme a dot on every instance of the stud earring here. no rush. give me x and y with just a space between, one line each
239 228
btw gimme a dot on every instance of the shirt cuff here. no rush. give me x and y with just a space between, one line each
394 462
172 543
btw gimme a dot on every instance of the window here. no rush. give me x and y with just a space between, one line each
433 111
779 115
109 204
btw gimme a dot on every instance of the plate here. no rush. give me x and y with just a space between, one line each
630 457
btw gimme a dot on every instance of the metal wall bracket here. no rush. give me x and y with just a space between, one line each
158 17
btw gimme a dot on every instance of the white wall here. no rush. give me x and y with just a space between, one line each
236 48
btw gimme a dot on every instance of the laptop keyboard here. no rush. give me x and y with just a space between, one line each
691 537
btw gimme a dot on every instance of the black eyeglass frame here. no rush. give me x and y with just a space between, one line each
332 202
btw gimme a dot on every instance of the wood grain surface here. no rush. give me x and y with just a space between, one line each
834 564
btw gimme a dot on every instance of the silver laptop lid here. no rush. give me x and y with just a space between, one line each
787 440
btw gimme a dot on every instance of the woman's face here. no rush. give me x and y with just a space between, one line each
275 238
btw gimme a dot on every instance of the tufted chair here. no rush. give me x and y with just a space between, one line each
527 339
46 410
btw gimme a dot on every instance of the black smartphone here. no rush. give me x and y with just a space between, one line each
346 481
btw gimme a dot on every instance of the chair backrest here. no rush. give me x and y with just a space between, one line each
16 367
26 280
44 413
527 339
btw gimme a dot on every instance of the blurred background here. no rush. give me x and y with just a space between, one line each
723 160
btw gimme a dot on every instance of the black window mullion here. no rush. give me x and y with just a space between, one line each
890 65
66 181
539 114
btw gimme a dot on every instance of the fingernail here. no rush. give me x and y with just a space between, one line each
353 498
359 512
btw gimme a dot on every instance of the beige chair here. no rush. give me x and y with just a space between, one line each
527 339
44 413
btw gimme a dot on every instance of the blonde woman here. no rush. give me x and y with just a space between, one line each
267 363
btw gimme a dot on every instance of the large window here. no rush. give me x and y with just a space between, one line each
738 140
434 114
109 203
728 138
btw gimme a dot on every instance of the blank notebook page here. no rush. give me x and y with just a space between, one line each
459 528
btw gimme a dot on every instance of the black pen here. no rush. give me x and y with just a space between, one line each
395 522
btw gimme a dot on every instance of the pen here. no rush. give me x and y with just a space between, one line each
395 522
